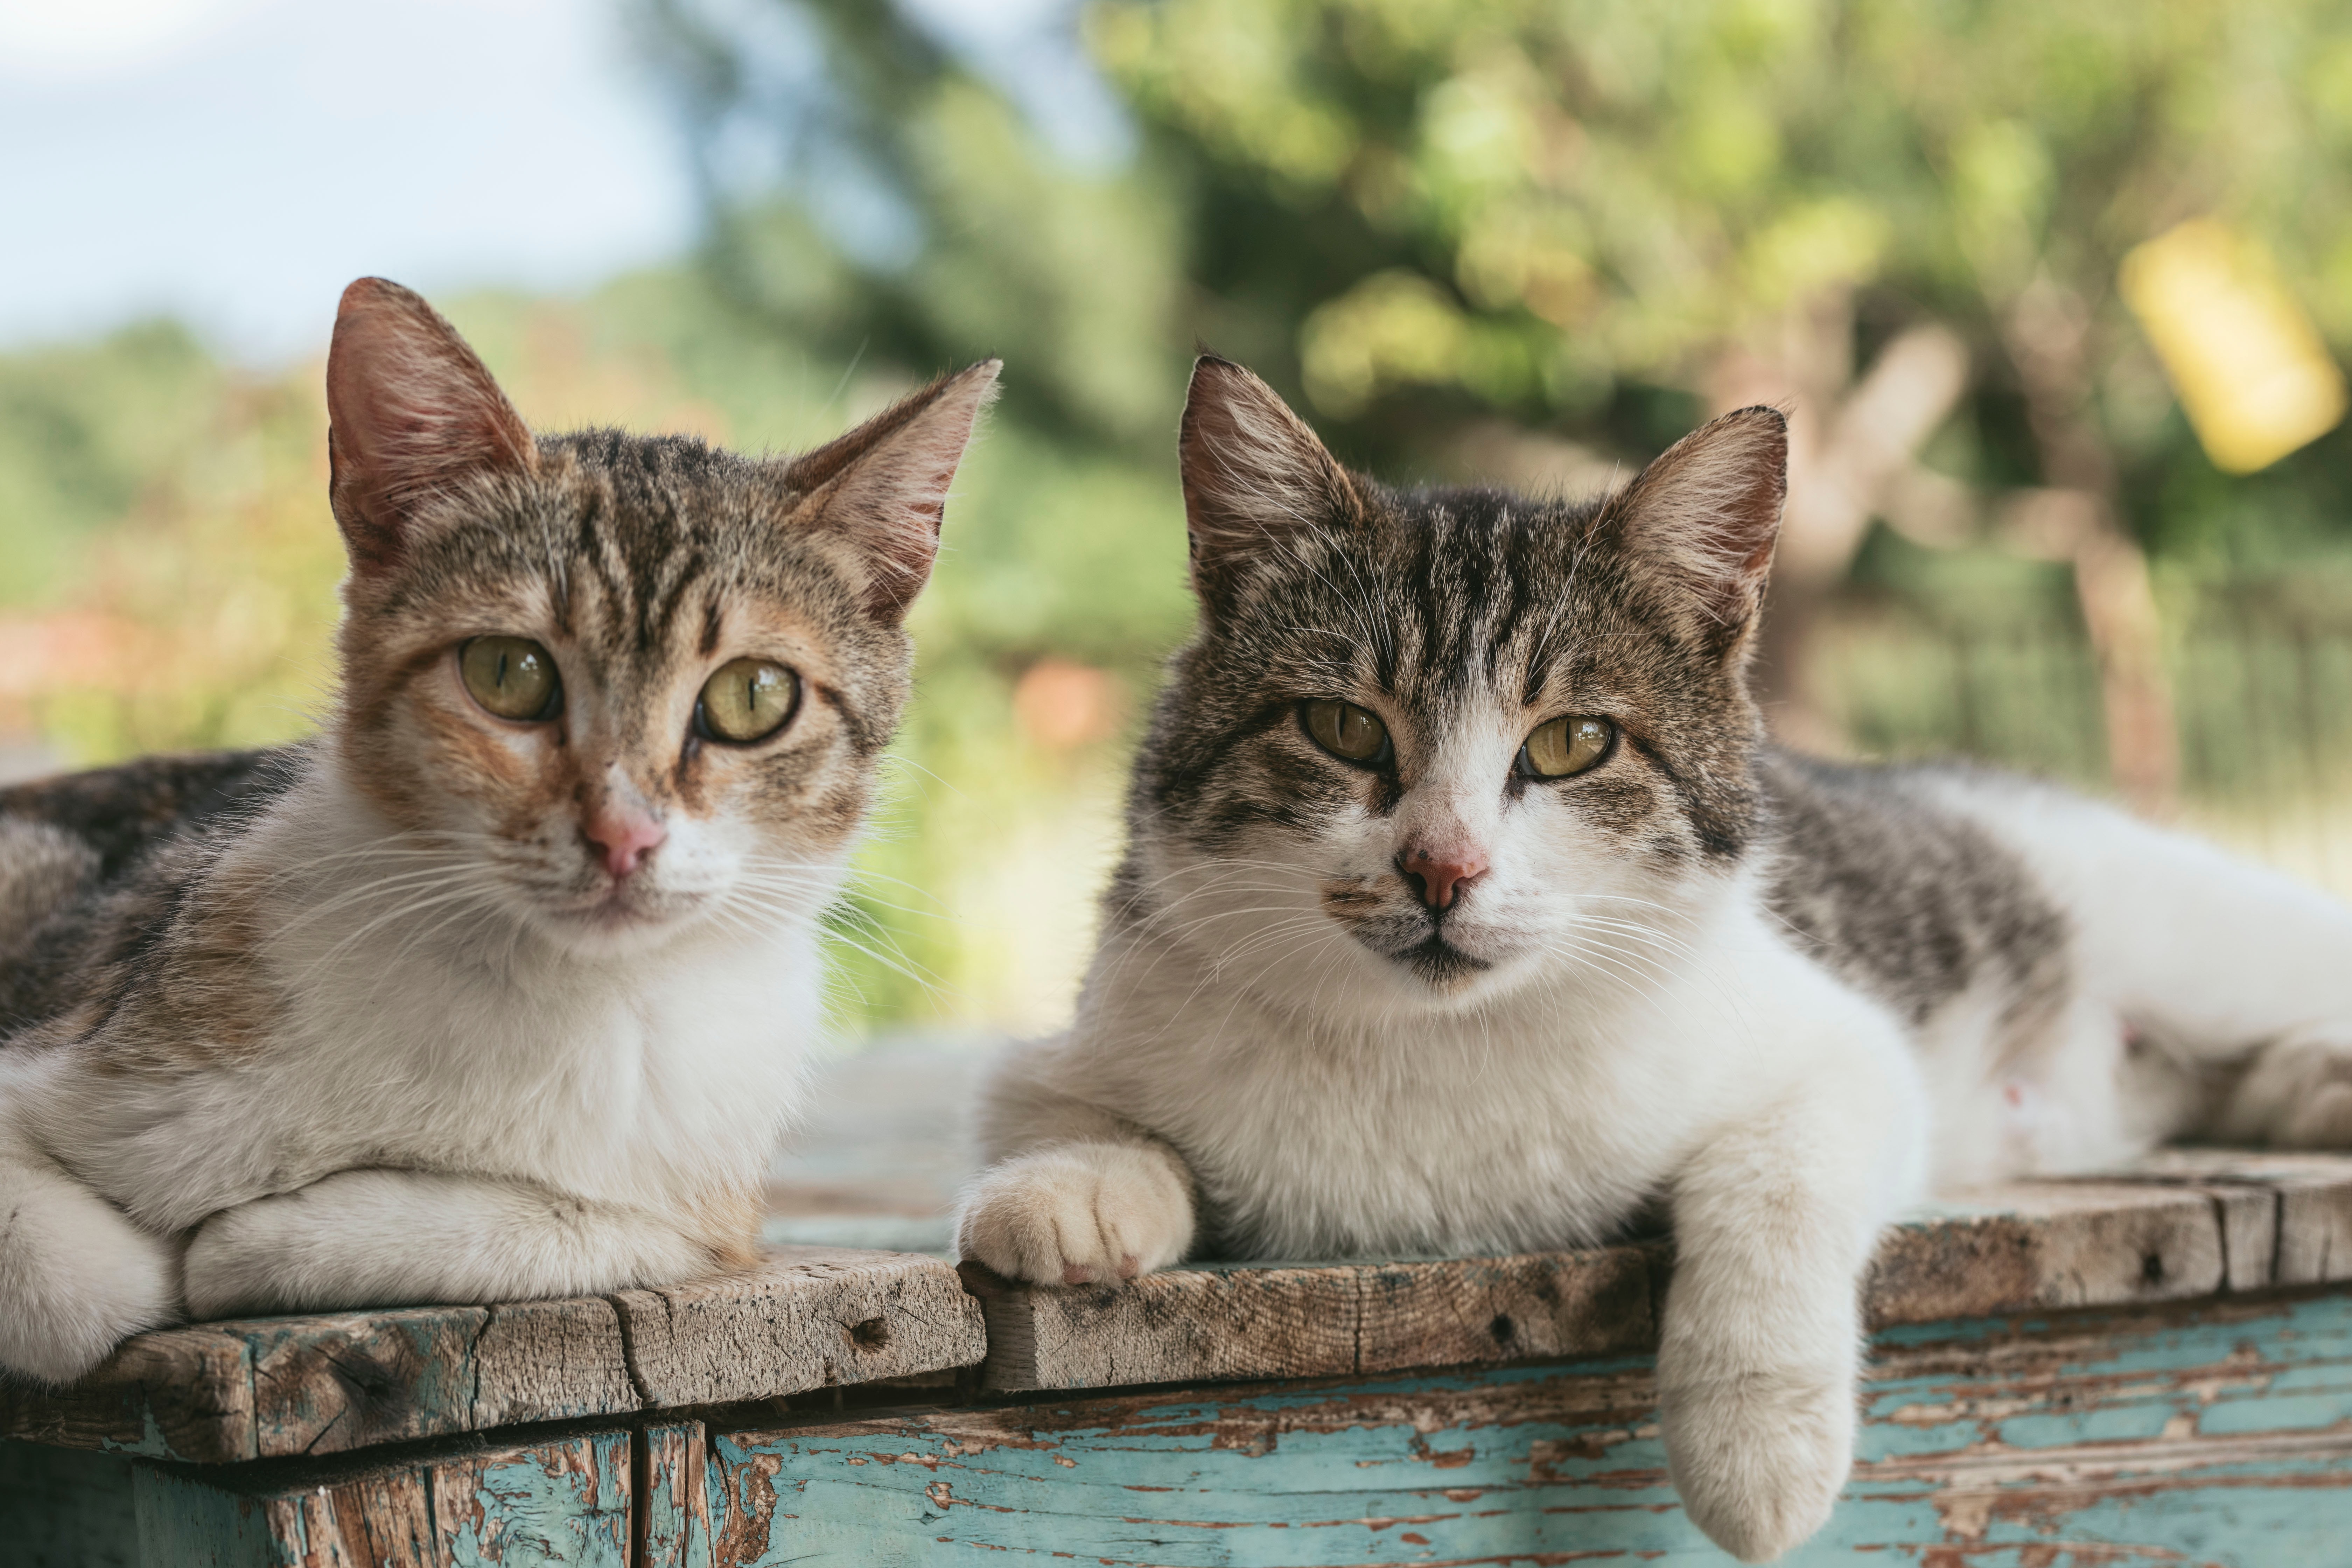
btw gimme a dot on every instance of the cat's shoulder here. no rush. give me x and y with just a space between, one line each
93 865
119 813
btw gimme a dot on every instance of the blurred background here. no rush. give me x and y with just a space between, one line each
2055 290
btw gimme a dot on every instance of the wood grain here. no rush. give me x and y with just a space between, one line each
2034 1247
813 1317
2184 1225
1194 1324
673 1511
216 1392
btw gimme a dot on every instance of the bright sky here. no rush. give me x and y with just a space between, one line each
238 162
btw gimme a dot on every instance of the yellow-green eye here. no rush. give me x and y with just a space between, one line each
512 677
1345 730
748 700
1566 746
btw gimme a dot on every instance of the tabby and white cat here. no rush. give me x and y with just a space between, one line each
1465 912
501 987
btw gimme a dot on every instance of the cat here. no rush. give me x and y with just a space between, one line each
1465 911
502 987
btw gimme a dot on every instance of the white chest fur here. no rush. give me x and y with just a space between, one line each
654 1081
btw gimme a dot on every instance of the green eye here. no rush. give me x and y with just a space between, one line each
1345 730
748 700
512 677
1565 746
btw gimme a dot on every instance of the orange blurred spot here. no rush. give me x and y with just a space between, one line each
1061 705
71 648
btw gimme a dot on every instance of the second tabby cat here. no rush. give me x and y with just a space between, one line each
1463 910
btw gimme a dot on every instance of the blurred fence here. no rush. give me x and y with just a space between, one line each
2262 678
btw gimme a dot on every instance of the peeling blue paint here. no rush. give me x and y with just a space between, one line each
2089 1439
527 1512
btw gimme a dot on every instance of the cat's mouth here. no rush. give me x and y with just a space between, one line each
619 908
1438 961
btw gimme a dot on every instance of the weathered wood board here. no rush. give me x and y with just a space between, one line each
2186 1225
2211 1434
1235 1322
806 1318
557 1502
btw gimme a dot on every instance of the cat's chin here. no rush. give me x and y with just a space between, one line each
617 927
1439 975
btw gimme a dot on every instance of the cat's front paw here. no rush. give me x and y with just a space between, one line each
241 1259
1080 1213
1760 1457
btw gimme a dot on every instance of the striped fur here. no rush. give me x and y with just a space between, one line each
376 1018
1777 997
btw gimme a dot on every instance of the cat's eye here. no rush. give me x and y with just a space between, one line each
1345 730
1566 746
513 678
748 699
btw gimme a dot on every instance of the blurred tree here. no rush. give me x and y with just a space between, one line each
1426 217
1525 202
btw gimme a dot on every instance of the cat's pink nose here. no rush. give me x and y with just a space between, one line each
1442 874
626 838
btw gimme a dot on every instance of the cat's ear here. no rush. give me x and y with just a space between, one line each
1253 473
1706 515
411 414
884 486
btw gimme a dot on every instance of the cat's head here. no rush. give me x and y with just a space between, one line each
1429 745
615 685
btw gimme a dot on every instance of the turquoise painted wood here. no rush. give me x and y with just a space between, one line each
2219 1435
561 1503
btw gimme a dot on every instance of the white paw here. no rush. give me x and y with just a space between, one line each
75 1278
1759 1458
1085 1213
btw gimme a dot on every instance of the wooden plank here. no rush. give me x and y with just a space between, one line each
2314 1205
2035 1247
2011 1249
564 1500
177 1394
563 1503
550 1360
332 1383
1540 1306
329 1384
673 1514
2211 1434
1194 1324
812 1317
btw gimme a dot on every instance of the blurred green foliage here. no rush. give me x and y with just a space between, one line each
1421 221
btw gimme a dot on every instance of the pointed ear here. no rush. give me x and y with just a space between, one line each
1253 473
1707 514
884 486
411 414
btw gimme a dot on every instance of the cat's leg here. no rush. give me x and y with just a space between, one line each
1775 1219
1075 1193
2231 970
76 1275
375 1237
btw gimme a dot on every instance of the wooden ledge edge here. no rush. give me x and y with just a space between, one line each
2184 1225
804 1318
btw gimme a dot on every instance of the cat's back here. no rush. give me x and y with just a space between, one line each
87 856
1887 877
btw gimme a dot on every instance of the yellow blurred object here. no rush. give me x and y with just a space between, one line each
2251 371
